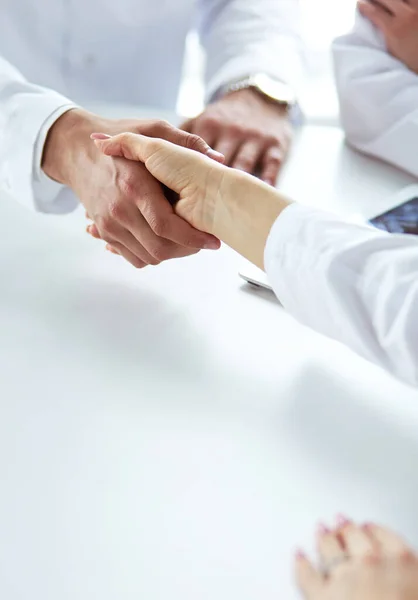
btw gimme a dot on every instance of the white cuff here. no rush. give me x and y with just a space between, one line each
50 196
303 246
279 260
284 64
25 131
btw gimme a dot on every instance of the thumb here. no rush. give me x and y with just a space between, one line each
173 165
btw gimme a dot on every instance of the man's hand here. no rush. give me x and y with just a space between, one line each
126 203
398 22
252 133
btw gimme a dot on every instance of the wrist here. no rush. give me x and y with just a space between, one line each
68 142
245 213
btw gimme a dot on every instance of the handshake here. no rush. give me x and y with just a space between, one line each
172 210
125 199
124 182
214 201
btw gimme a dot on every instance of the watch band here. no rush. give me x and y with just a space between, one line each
271 89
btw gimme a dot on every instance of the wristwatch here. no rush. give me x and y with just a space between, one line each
271 89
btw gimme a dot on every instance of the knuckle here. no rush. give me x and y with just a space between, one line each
106 225
235 131
126 137
159 225
192 243
255 135
195 142
211 121
161 252
272 140
116 211
109 239
139 127
161 126
127 186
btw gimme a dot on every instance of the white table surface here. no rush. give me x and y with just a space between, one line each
172 434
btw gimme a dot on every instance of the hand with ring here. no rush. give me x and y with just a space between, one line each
359 562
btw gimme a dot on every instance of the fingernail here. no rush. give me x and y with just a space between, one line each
99 136
212 245
322 529
367 526
300 555
342 521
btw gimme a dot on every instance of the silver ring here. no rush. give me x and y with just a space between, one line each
326 567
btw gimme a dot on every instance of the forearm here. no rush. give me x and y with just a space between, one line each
246 213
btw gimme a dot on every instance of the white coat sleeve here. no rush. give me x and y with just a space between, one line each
245 37
27 111
378 97
351 282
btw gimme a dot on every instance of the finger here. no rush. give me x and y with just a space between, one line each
166 224
387 541
163 131
308 579
111 249
159 248
204 129
271 163
163 159
116 248
189 140
121 235
248 156
376 14
93 231
392 7
355 540
330 548
228 146
138 249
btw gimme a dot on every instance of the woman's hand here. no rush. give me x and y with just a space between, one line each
196 179
398 22
359 563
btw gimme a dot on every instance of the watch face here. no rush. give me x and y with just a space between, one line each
276 90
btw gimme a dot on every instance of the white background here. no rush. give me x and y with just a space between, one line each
323 20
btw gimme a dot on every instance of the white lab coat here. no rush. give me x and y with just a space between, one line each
378 97
362 284
126 51
351 282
